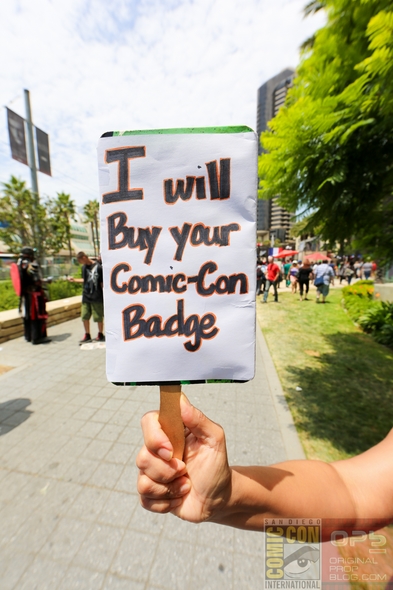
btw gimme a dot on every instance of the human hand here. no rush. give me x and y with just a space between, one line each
196 489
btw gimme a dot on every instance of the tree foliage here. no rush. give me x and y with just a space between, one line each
23 216
91 211
62 212
303 227
29 221
329 150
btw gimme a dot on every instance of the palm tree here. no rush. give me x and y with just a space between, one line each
65 211
23 217
91 210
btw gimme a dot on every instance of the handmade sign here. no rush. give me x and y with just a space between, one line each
178 249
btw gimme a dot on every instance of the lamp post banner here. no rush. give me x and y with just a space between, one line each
16 130
42 139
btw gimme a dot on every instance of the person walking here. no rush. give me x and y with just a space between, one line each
333 266
272 276
349 272
305 273
259 277
286 268
293 276
366 270
264 270
341 271
323 274
92 298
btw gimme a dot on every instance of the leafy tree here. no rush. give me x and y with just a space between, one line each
29 221
91 210
63 211
56 238
300 228
23 217
329 151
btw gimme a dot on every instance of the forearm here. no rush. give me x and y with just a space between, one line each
294 489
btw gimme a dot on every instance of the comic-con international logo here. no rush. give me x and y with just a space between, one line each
293 553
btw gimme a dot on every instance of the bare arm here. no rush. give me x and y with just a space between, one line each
347 492
205 487
369 477
72 280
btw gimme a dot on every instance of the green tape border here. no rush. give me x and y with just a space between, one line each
198 382
181 131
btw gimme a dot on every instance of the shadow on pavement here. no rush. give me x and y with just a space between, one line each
13 413
60 337
346 397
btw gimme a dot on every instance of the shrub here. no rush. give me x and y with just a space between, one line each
62 289
374 317
385 336
378 321
8 298
362 289
57 290
358 298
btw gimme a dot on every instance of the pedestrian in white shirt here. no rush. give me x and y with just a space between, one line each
323 274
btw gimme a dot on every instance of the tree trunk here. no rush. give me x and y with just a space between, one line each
70 252
94 240
97 238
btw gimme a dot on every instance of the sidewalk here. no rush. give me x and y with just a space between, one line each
69 512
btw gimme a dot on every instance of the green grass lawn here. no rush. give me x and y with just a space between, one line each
346 400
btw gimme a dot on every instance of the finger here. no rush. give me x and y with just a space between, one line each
200 425
155 438
158 469
160 506
156 491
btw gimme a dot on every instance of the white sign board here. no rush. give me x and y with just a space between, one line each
178 248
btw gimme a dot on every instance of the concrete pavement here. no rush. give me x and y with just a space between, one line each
69 512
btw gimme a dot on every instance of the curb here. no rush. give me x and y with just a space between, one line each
291 441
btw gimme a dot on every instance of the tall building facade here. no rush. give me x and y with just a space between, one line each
271 217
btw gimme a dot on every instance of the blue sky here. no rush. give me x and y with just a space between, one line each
93 66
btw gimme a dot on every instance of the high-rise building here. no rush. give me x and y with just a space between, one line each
271 217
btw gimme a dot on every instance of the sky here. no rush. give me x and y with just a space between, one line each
93 66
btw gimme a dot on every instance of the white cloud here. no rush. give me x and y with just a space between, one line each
98 66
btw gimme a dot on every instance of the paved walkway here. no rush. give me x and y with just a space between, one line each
69 513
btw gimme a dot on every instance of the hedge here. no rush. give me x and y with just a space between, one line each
57 290
374 317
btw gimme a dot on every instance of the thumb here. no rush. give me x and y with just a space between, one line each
200 425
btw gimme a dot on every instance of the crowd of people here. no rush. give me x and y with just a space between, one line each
297 274
270 273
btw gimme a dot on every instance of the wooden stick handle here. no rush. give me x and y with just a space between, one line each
170 417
